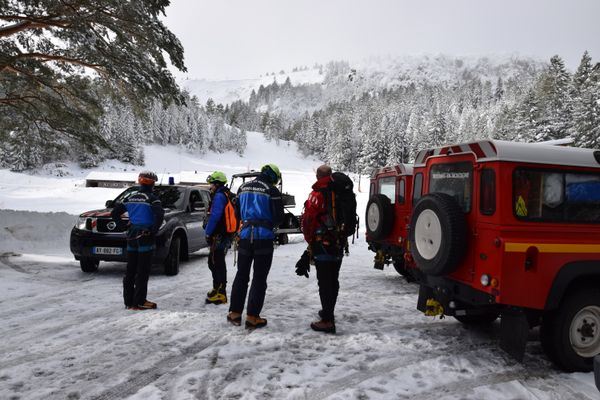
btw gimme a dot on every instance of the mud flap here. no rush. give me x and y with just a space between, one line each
514 330
425 293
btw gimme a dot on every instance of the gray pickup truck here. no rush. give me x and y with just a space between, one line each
95 236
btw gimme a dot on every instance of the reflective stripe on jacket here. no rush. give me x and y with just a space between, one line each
260 209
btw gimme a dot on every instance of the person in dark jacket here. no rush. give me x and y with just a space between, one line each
260 210
145 217
326 249
217 237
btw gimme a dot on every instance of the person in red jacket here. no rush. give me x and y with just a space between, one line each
325 247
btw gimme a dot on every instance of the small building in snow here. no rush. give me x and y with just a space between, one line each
107 179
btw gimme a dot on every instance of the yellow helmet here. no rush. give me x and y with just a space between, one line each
273 171
217 177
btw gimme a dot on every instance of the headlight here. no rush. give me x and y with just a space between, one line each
80 224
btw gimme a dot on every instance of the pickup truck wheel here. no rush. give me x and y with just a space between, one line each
571 336
481 319
379 216
438 234
89 264
171 263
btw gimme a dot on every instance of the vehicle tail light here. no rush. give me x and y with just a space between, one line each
485 280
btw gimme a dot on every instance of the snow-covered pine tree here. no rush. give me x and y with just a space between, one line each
555 101
585 97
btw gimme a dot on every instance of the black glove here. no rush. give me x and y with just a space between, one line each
209 240
303 264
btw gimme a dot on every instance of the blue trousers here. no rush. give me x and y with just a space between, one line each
257 254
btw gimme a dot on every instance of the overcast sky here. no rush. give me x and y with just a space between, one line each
246 38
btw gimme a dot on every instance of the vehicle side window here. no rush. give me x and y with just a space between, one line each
387 187
487 192
401 191
556 196
196 201
418 187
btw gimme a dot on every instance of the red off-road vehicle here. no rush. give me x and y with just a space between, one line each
388 216
512 230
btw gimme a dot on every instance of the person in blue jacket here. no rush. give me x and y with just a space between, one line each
217 237
145 217
259 207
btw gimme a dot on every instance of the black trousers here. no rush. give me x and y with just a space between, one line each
135 282
218 268
328 261
259 252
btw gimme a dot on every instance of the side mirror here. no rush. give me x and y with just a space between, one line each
109 203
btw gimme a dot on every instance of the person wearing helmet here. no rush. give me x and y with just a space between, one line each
325 248
217 237
145 217
260 210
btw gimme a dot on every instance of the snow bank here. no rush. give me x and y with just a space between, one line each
35 232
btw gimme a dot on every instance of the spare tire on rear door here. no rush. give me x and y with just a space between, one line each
379 216
438 234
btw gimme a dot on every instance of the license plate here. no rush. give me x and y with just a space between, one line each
108 250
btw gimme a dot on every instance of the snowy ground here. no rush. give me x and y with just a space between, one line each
65 334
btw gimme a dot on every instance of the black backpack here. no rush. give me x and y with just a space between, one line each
340 202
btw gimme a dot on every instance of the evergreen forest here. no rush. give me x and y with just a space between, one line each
354 119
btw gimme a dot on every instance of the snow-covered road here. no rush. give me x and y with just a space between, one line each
66 335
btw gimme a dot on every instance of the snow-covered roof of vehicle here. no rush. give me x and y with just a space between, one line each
499 150
183 177
400 169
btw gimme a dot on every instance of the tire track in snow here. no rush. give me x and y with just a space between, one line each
4 260
162 368
468 385
405 360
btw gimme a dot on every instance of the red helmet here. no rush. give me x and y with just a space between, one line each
147 178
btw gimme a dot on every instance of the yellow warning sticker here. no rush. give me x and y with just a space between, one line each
520 207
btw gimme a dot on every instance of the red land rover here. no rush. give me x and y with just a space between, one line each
512 230
387 216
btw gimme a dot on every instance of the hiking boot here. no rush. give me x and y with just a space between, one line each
321 315
234 318
217 298
148 305
254 321
323 326
211 293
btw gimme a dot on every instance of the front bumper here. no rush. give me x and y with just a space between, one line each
82 243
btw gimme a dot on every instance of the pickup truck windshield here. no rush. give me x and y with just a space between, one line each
170 196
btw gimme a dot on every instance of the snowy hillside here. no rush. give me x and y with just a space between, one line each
375 72
47 193
66 335
228 91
